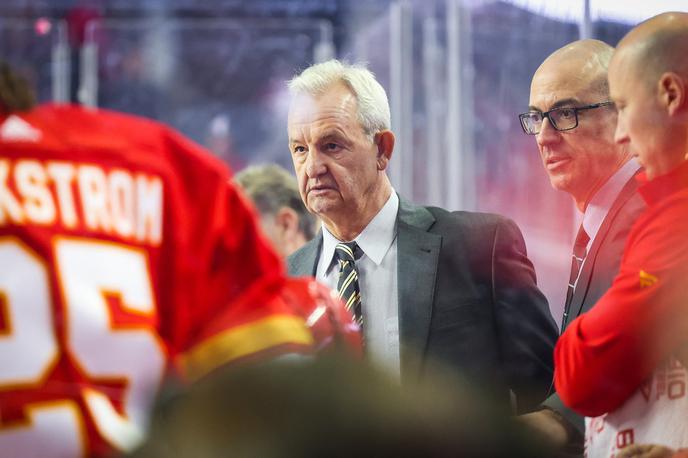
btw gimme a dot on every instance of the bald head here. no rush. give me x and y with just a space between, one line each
657 46
648 78
583 63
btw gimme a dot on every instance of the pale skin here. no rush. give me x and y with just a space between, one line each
645 451
581 160
283 230
340 169
653 110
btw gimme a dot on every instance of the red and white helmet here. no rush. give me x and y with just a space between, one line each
332 325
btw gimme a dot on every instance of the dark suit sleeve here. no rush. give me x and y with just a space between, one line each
525 327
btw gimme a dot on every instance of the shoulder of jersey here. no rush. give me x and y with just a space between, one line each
95 128
68 126
74 128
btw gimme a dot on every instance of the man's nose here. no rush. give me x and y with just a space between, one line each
621 133
315 163
548 134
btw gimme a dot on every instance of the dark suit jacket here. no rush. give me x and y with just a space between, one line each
467 298
600 268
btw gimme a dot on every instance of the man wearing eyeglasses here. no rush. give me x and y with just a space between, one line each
573 122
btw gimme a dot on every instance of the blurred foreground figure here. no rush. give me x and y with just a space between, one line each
573 121
126 255
426 283
620 363
283 216
331 408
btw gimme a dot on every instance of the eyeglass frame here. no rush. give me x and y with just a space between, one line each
546 114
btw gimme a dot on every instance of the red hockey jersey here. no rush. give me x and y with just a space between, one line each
124 252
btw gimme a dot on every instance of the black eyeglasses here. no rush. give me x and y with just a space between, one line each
564 118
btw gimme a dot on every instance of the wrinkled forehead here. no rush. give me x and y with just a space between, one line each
307 108
556 81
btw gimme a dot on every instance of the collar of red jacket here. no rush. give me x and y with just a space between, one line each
662 186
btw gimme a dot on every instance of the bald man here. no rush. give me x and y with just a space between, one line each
617 364
573 122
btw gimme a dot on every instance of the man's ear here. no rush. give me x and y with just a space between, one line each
672 92
384 141
287 221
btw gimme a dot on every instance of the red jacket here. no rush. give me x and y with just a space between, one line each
605 354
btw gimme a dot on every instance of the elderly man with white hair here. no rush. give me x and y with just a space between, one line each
427 285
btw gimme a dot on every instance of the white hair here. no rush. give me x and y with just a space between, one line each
373 106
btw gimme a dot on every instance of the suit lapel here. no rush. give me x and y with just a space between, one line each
304 262
583 284
417 258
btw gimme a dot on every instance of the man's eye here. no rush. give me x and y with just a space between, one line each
298 149
331 146
566 113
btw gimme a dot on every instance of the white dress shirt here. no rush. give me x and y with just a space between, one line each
602 201
377 270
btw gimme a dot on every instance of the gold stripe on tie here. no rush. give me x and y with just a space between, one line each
347 284
351 278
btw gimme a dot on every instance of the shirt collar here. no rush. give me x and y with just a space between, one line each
379 234
604 198
375 239
662 186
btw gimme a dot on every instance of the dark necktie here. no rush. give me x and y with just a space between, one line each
579 252
347 284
